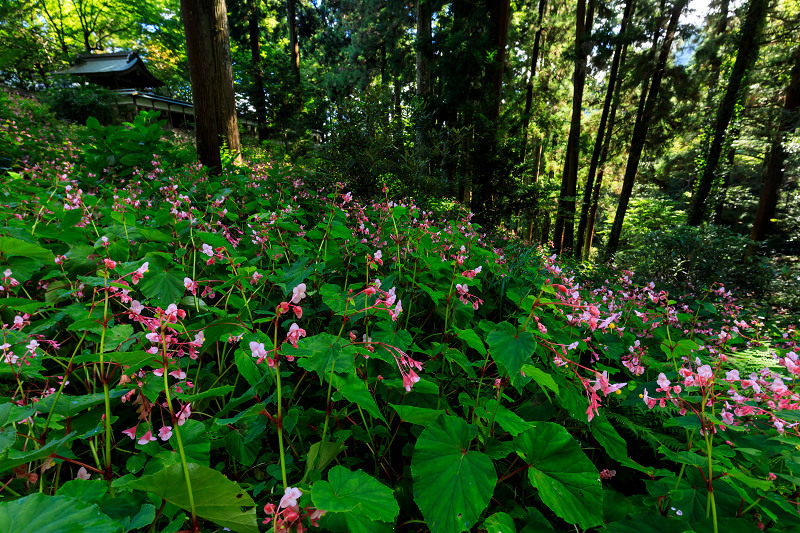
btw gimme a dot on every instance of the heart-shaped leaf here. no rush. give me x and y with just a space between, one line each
566 479
452 484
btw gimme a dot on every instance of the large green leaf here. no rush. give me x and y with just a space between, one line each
500 523
452 484
10 246
505 418
355 390
355 492
216 497
511 349
417 415
162 286
10 457
566 479
319 352
39 513
66 405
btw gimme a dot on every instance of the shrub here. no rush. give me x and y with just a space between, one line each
76 102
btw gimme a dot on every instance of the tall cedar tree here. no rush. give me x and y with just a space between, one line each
563 233
748 50
424 49
601 128
485 149
294 47
773 177
259 101
209 54
526 117
639 136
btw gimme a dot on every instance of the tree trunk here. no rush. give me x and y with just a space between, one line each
619 52
259 102
294 48
773 177
208 52
485 154
748 49
526 117
563 234
640 131
424 49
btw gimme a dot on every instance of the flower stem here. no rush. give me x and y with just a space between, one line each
279 419
177 431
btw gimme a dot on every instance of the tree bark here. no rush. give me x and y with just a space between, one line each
564 230
639 135
619 52
748 49
526 117
294 48
259 102
773 178
424 51
484 160
208 52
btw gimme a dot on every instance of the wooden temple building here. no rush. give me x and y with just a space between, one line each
126 74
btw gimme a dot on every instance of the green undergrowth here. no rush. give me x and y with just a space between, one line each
251 352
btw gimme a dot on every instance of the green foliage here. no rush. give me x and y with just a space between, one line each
251 348
119 149
76 102
368 146
24 123
698 256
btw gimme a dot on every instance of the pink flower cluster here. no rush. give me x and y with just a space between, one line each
289 516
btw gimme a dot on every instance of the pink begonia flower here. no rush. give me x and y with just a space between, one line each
258 350
190 285
83 473
131 432
290 495
298 293
199 338
136 307
165 433
172 313
208 250
347 198
378 257
153 337
178 374
662 381
295 332
397 310
110 263
184 414
140 272
146 438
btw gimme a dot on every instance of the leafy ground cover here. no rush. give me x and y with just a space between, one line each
258 351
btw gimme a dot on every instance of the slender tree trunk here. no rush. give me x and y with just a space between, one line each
726 179
294 48
773 178
639 136
563 235
486 132
748 50
424 50
259 102
208 52
619 52
526 120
